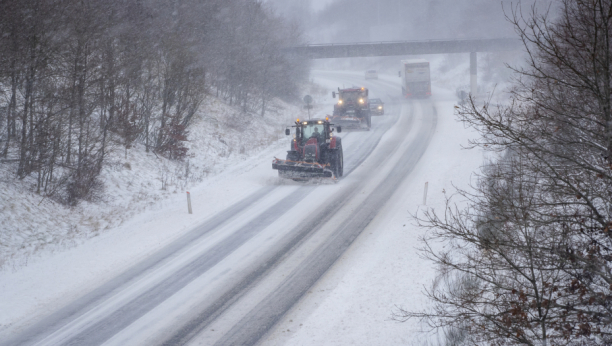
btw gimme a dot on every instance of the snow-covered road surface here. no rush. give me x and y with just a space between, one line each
229 280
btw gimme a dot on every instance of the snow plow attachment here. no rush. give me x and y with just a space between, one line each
347 122
299 170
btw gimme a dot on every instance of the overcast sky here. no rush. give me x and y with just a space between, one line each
337 21
315 5
318 5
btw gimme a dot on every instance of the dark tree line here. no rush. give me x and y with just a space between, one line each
79 75
529 260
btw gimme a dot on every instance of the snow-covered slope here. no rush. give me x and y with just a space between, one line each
135 181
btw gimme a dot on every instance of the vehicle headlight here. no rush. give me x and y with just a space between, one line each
379 107
339 102
360 100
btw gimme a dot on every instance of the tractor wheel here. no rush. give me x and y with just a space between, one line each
341 168
337 163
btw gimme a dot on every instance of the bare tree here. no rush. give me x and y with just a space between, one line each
528 262
79 75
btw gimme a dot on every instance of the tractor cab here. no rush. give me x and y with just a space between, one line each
353 97
313 129
353 108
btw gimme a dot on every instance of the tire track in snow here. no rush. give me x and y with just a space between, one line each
89 301
287 245
296 236
105 328
252 327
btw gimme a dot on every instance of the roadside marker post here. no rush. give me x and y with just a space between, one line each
425 193
189 202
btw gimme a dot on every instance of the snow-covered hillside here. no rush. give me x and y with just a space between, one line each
135 181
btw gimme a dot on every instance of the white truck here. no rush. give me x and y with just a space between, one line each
415 78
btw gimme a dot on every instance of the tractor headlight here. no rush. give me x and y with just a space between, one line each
360 100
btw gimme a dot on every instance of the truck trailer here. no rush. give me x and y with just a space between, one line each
415 78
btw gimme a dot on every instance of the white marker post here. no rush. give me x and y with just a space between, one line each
425 193
189 202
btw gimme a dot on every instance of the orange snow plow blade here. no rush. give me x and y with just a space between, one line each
301 169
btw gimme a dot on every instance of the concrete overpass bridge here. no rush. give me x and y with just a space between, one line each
373 49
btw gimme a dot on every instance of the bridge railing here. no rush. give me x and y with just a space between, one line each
390 48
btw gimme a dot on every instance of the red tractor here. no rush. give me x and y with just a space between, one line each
353 108
315 152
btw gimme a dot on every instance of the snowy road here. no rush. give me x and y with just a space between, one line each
228 281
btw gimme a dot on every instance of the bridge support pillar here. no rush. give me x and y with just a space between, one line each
473 74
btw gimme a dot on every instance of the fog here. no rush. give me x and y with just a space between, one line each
348 21
337 21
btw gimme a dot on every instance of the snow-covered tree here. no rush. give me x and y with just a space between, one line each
529 261
77 77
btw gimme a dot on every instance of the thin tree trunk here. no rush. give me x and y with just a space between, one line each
10 117
22 170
